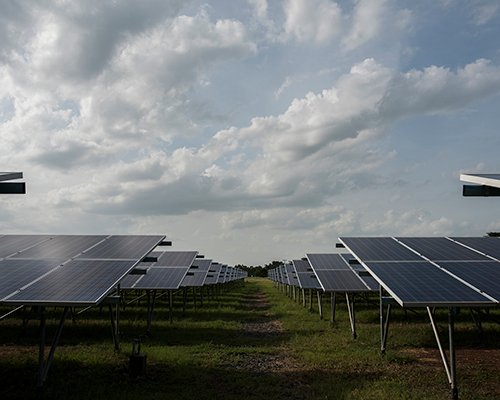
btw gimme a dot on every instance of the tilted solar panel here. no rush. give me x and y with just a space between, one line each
64 246
11 244
160 278
176 259
486 245
302 266
307 280
441 249
327 261
420 284
16 274
123 247
79 282
379 249
340 281
194 279
483 275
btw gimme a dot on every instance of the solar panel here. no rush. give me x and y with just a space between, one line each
486 245
302 266
197 273
61 247
123 247
16 274
482 275
78 282
379 249
419 284
176 258
440 249
11 244
213 274
340 281
327 261
160 278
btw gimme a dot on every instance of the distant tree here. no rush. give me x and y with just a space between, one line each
258 270
493 234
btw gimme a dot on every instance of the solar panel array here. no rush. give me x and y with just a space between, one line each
166 273
327 272
67 269
433 271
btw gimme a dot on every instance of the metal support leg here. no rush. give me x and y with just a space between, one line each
320 304
332 307
453 370
44 365
352 316
184 300
449 366
194 298
304 301
114 329
170 301
201 296
310 300
384 323
151 306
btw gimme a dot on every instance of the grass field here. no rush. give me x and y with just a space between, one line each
252 343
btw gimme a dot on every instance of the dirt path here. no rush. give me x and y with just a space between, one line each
277 360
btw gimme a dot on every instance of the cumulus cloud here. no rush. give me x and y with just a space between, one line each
324 144
312 20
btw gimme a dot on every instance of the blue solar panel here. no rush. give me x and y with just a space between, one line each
161 278
64 247
79 282
123 247
327 261
440 249
340 281
483 275
16 274
486 245
417 284
11 244
379 249
176 259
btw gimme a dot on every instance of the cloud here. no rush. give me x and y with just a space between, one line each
323 145
314 21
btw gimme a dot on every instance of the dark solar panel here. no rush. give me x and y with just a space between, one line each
11 244
371 282
129 281
378 249
77 282
161 278
340 281
440 248
327 261
307 280
483 275
64 246
176 259
123 247
486 245
302 266
194 279
418 284
202 264
16 274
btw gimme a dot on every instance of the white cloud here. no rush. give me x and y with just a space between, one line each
312 20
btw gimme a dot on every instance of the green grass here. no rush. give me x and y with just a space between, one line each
207 354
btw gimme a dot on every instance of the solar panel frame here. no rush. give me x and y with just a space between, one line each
167 278
486 245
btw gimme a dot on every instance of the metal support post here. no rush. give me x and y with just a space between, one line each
151 305
44 365
304 300
320 304
352 316
453 370
384 324
310 300
332 307
170 301
184 300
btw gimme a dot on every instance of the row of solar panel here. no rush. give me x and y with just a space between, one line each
433 271
78 270
327 272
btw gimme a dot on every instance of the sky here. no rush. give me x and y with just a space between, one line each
249 130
